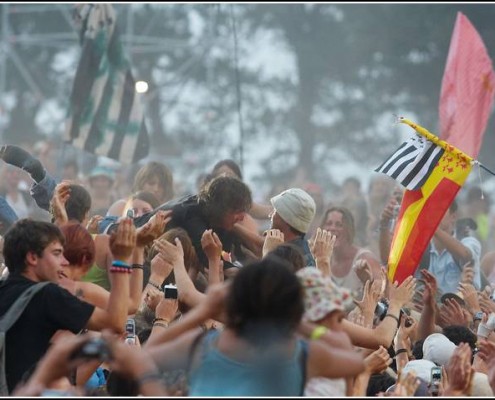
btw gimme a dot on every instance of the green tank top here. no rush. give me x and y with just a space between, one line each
98 276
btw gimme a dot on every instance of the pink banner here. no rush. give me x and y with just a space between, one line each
467 89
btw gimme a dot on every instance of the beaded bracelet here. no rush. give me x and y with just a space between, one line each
120 269
155 286
118 263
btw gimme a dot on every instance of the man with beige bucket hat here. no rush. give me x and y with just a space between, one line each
293 212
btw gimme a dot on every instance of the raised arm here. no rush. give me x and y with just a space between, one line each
321 248
114 316
384 333
212 246
250 239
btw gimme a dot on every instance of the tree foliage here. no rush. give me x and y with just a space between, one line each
319 83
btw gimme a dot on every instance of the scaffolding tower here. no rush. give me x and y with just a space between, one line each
135 43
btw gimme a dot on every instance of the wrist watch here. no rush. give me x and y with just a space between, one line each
478 316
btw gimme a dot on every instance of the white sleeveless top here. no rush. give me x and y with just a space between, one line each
351 281
325 387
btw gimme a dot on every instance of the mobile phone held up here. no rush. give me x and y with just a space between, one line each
170 291
130 329
130 213
436 377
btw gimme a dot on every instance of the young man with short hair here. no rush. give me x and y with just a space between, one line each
33 252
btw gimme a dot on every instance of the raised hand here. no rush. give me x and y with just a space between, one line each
123 241
153 228
467 275
371 295
211 244
168 252
459 371
92 225
321 246
152 298
167 309
403 294
273 238
58 201
159 266
363 270
407 385
486 304
431 287
487 354
451 313
470 295
378 361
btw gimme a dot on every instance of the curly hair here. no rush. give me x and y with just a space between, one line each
225 194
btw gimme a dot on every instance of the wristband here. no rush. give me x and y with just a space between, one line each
155 286
149 376
318 332
118 263
137 266
394 317
161 320
483 330
401 351
161 324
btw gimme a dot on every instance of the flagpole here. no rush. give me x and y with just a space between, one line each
433 138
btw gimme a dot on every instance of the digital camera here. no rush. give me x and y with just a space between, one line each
95 348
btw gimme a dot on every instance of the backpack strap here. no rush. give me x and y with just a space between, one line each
192 350
304 361
16 309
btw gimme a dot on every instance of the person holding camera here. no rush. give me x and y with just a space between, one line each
293 212
126 362
33 252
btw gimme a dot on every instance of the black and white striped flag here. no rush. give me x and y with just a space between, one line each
105 116
413 162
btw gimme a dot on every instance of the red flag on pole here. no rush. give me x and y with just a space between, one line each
467 89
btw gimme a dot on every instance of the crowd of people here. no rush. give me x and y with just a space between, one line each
116 288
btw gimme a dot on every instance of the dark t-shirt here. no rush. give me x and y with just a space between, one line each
188 214
51 309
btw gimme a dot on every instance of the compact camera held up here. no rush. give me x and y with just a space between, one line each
170 291
96 348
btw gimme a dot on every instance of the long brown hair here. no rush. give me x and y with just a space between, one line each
347 219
